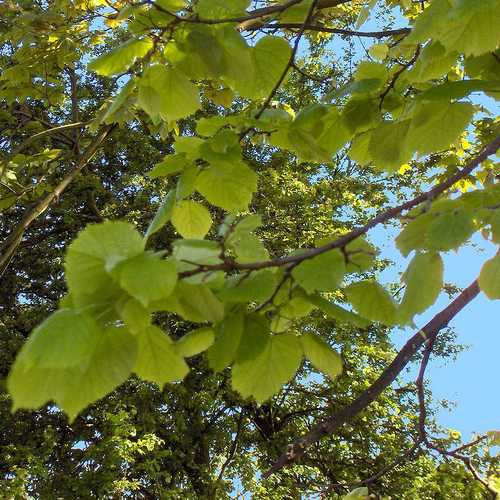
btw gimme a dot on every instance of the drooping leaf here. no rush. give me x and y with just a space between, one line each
489 278
163 214
96 250
170 165
157 358
242 288
108 364
426 133
147 277
120 59
321 355
339 313
191 219
262 375
228 336
270 57
228 186
167 94
423 279
321 273
372 301
195 342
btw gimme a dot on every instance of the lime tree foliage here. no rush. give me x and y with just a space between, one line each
191 300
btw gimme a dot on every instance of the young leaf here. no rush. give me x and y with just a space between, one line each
270 57
372 301
96 250
228 336
108 364
157 359
322 273
163 214
321 355
339 313
241 288
167 94
147 277
135 316
191 219
169 165
229 186
424 279
120 59
489 278
262 375
427 134
449 230
65 339
414 234
194 342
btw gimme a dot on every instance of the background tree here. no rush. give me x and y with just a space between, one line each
171 115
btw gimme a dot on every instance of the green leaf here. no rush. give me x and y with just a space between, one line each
261 375
458 90
258 287
167 94
191 219
495 226
170 165
196 252
157 359
65 339
322 273
489 278
108 364
427 134
195 342
228 337
449 230
321 355
339 313
379 51
135 316
197 303
414 234
147 277
228 186
120 59
471 27
217 9
270 57
372 301
387 145
112 113
96 250
186 182
432 63
163 214
424 280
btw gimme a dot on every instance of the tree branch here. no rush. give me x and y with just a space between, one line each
330 425
341 242
12 242
340 31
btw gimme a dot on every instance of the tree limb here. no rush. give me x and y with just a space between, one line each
404 356
12 242
341 242
339 31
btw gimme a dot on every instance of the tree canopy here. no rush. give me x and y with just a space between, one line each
192 302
